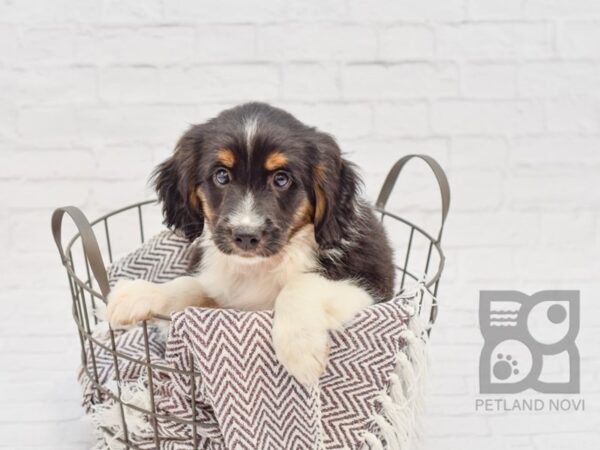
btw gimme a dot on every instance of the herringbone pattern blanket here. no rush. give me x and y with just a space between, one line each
241 397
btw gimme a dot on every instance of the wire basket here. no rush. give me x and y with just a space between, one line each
422 263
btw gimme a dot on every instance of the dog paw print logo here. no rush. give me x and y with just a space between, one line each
529 342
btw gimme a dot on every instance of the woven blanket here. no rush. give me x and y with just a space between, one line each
232 393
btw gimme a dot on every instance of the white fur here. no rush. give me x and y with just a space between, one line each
254 283
306 309
131 301
245 215
306 304
250 127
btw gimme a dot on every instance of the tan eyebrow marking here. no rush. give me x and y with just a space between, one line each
226 157
275 160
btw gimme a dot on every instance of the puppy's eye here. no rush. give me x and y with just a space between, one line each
222 177
281 179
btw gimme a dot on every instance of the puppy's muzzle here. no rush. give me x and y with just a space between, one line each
247 238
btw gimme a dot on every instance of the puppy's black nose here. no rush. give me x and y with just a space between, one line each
246 238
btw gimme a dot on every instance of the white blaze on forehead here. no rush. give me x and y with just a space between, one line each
250 126
245 214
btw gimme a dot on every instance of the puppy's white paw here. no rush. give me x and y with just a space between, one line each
305 310
302 351
132 301
348 303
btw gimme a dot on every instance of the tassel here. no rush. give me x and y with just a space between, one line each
388 434
372 441
403 405
108 415
396 390
398 424
113 444
405 371
400 417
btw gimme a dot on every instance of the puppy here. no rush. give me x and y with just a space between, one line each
281 226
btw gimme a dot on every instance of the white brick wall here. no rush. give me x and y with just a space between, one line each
505 93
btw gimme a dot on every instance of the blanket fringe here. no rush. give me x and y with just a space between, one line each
398 425
108 415
373 442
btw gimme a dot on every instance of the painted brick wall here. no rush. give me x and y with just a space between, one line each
505 93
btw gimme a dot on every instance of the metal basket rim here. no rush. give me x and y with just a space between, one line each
428 284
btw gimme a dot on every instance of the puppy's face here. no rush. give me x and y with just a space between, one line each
254 201
256 176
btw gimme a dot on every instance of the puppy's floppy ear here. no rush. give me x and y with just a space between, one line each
335 186
175 184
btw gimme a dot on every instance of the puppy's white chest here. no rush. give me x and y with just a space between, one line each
236 282
245 289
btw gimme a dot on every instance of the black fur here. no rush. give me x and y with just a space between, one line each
352 242
172 180
367 258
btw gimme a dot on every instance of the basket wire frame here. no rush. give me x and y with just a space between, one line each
85 282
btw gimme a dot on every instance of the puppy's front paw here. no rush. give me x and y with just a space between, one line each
302 351
132 301
346 305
